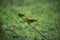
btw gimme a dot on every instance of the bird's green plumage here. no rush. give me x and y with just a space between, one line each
20 15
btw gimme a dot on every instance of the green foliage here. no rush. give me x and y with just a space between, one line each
16 28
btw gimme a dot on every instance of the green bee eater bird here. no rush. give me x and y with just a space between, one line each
20 15
30 20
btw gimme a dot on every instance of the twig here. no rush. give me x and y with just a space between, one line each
38 32
34 28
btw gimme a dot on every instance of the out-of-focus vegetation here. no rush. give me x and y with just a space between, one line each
13 27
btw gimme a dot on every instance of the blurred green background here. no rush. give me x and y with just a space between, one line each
12 27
